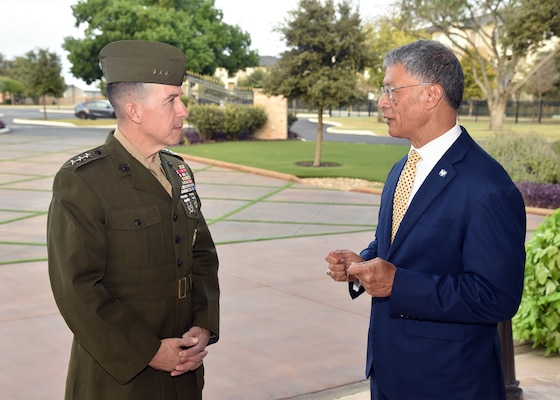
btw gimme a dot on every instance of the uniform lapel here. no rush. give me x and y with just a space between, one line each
127 166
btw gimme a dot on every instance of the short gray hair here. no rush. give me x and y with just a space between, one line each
116 92
431 61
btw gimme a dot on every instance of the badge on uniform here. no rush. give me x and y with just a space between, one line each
188 188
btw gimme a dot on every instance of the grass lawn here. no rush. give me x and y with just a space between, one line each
364 161
478 128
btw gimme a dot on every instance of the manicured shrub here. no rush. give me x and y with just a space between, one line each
231 122
206 119
527 158
538 317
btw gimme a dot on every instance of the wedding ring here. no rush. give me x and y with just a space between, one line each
328 271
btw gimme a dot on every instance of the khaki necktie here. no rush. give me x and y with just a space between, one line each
156 169
402 192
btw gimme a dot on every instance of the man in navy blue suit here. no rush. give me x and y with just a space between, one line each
454 268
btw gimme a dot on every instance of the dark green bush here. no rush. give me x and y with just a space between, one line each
527 158
206 119
538 317
234 121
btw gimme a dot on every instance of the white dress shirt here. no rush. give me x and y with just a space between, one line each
431 153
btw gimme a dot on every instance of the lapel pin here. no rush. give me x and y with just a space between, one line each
442 173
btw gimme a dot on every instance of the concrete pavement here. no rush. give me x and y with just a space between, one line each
288 331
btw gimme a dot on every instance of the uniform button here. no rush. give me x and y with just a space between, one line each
177 239
175 216
179 262
137 222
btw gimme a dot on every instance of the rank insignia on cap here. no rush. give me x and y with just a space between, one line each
143 61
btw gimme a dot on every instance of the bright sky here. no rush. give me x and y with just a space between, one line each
27 25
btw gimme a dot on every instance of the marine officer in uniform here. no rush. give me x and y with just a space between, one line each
132 264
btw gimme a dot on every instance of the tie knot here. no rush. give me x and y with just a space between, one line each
413 157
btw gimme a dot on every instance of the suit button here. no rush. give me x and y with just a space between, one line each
175 216
179 262
137 222
177 239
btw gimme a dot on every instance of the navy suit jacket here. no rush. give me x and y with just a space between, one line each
460 258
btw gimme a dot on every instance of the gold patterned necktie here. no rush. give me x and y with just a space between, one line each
402 192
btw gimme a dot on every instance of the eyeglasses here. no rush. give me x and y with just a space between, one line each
387 90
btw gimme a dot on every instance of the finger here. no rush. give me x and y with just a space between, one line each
355 270
190 341
333 258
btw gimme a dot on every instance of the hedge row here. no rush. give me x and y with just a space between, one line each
534 165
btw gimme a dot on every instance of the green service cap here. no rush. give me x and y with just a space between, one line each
143 61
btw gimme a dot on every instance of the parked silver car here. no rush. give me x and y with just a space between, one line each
94 109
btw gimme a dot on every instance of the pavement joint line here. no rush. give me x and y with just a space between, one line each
8 221
23 243
260 221
250 203
22 211
24 261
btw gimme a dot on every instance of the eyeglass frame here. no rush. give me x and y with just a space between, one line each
388 90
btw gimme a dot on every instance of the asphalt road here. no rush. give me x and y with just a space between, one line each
305 129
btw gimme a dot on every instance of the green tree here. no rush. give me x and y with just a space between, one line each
326 51
382 35
472 91
253 80
494 35
194 26
40 72
11 89
542 81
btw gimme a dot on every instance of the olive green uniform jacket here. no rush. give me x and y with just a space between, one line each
129 265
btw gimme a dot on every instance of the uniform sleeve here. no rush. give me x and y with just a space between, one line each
206 288
77 251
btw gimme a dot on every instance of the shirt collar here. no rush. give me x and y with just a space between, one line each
134 152
432 151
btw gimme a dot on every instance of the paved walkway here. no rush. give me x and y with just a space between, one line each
288 332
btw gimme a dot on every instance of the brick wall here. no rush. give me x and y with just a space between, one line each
276 108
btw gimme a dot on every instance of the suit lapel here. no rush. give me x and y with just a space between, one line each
436 181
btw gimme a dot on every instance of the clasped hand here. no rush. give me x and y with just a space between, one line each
376 275
179 355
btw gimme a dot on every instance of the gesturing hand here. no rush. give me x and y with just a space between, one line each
376 276
339 261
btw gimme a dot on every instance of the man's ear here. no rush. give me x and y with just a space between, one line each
132 112
435 95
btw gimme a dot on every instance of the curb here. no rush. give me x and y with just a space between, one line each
243 168
41 122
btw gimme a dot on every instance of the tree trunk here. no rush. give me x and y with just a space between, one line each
539 119
44 107
319 144
497 109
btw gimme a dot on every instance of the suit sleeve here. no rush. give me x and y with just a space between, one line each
77 254
491 261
